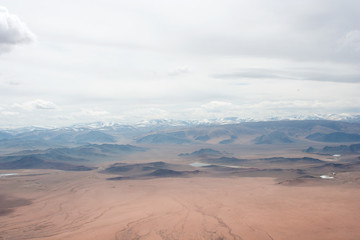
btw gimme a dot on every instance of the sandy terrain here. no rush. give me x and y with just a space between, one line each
84 205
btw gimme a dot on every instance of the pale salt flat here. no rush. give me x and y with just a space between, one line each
326 177
7 174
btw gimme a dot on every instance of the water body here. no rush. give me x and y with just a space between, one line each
7 174
199 164
326 177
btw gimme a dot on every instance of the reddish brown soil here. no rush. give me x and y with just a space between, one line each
84 205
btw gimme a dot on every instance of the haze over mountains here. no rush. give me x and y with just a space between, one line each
269 132
119 173
211 142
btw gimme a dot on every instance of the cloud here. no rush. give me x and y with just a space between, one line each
312 74
230 58
9 113
250 73
291 30
351 41
148 113
13 31
179 71
218 106
37 104
13 83
93 112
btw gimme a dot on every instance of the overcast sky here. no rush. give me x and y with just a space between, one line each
65 62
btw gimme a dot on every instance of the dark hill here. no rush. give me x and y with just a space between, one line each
63 137
24 144
146 170
120 168
310 150
117 148
227 161
228 141
76 154
203 152
343 149
334 137
292 160
164 138
4 135
203 138
33 162
300 125
94 137
172 173
337 167
273 138
165 173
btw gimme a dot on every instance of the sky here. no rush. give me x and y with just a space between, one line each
66 62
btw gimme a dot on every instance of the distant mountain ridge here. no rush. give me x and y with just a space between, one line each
161 123
203 152
75 154
147 170
269 132
334 137
32 162
272 138
341 149
165 138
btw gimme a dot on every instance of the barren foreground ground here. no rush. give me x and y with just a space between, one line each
84 205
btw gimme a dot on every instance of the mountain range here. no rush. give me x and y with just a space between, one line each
94 143
270 132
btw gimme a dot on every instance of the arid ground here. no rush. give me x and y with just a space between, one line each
52 204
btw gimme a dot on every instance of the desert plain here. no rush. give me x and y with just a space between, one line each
84 205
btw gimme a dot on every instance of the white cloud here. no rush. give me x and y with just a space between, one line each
331 73
351 41
286 105
12 83
12 31
148 113
218 106
38 104
230 58
93 112
179 71
9 113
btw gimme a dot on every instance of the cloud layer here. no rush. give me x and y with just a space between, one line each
136 60
37 104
